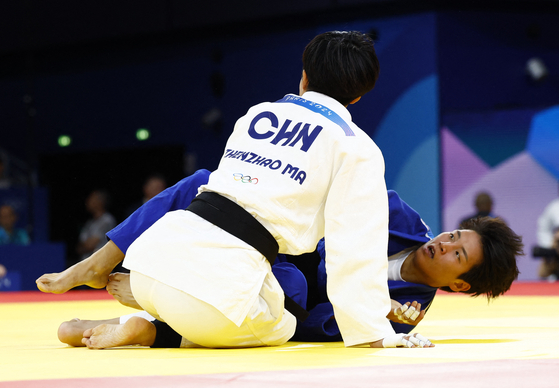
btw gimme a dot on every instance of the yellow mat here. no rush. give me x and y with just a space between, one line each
463 329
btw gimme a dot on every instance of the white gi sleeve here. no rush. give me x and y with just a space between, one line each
356 235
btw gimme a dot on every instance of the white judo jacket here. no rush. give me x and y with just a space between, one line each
305 171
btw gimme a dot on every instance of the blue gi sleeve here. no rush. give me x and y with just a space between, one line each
176 197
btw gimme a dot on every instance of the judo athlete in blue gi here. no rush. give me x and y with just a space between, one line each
306 285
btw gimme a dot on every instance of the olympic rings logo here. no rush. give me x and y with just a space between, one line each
244 178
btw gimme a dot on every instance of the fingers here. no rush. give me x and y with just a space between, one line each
412 313
419 340
408 313
396 341
409 341
399 311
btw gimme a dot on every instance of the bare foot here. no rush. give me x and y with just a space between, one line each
71 332
77 275
93 272
119 288
136 331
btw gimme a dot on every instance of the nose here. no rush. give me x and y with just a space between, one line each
445 246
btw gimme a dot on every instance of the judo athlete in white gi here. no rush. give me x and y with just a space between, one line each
302 169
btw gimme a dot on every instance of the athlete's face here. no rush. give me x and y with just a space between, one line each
449 255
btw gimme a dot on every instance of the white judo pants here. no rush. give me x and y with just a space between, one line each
202 324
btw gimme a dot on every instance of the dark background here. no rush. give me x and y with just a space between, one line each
99 70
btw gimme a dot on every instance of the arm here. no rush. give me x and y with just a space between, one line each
357 285
356 239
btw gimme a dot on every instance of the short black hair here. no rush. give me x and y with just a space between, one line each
498 269
341 64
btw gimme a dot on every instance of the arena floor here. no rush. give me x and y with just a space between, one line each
511 342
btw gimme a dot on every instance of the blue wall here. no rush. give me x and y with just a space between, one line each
433 65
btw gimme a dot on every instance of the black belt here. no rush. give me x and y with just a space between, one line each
235 220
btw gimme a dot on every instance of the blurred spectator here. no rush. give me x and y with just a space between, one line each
9 234
5 182
484 206
549 267
153 185
547 222
92 235
3 271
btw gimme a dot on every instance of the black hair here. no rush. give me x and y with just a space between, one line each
341 64
498 269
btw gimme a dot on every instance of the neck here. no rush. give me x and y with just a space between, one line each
409 271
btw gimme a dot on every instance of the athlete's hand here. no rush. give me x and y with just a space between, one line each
404 340
409 313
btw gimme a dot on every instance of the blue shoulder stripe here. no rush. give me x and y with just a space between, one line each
320 109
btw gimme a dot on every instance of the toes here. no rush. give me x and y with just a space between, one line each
119 276
112 287
42 284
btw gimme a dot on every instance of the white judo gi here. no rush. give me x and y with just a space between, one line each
304 171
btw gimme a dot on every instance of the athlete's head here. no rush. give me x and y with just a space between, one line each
341 64
497 270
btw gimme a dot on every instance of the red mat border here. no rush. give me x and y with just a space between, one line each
522 288
541 288
38 296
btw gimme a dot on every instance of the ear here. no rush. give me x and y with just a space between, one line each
459 286
354 101
304 84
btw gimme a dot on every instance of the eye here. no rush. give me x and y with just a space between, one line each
451 236
458 256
